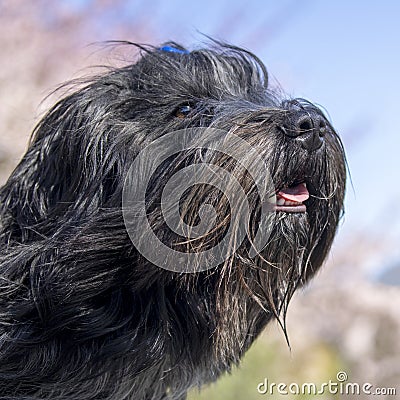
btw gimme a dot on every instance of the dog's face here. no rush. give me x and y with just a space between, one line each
71 235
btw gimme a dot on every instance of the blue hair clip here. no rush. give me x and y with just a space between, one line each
173 50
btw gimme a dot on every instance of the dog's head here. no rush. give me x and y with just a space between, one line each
216 107
179 198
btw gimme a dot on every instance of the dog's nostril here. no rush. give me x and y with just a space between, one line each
305 124
322 128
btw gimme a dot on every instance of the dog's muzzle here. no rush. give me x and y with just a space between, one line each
308 129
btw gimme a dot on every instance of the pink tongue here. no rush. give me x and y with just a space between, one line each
297 193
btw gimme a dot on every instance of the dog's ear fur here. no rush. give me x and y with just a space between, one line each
72 164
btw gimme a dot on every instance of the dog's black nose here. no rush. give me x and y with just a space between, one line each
307 127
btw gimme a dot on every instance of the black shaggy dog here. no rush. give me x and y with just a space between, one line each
84 312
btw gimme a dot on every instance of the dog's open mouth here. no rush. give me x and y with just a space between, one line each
291 199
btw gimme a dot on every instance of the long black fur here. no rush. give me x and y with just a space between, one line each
82 314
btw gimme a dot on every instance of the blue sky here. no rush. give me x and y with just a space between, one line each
344 55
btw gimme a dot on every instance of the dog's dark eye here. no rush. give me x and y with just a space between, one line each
183 111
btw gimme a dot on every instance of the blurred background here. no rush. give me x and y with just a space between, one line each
342 55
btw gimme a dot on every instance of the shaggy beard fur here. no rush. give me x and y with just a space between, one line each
83 315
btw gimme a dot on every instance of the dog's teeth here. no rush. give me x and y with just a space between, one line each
280 202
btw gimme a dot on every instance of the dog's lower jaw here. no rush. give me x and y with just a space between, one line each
300 208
